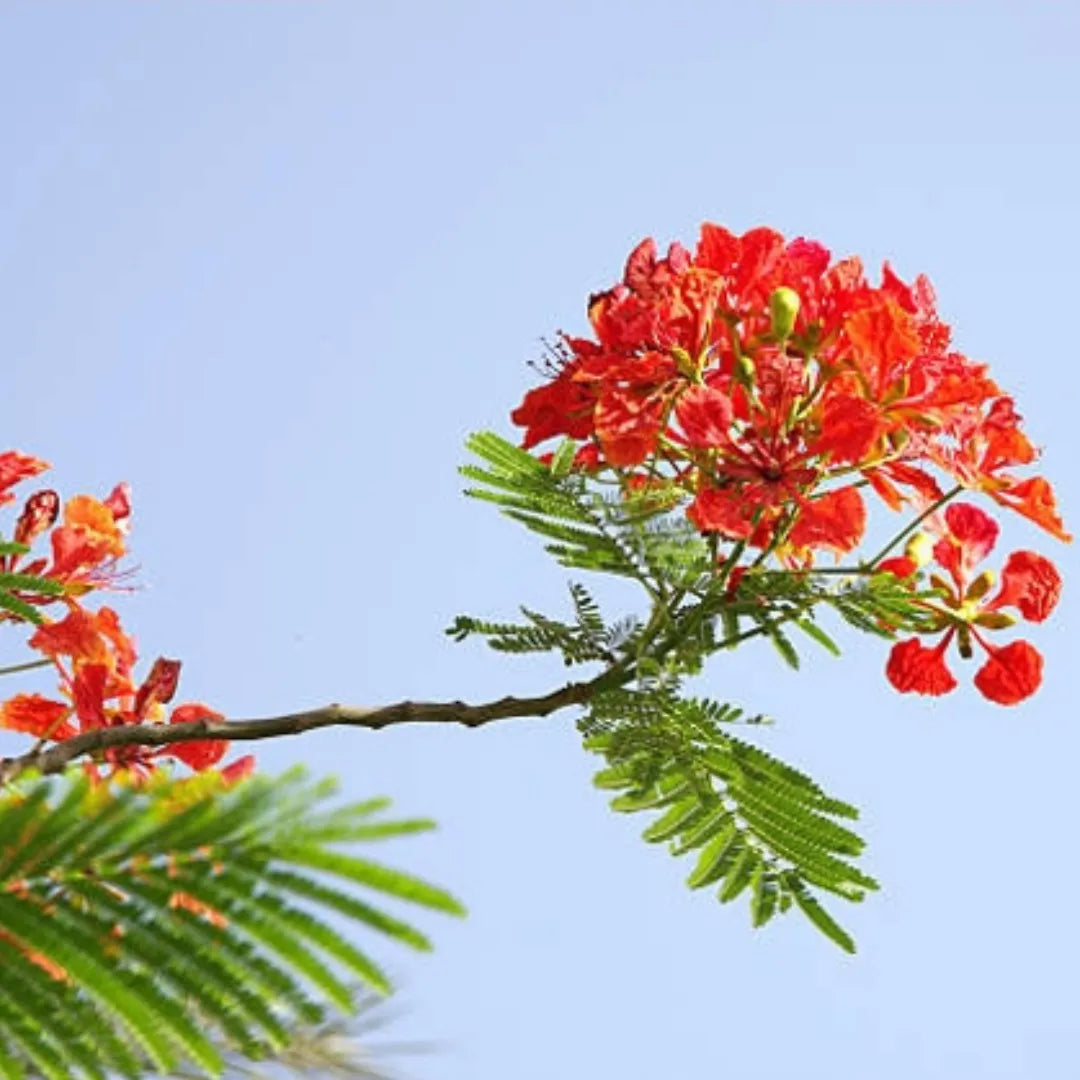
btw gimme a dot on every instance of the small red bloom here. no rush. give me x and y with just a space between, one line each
1030 583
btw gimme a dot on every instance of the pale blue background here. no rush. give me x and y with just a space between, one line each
271 261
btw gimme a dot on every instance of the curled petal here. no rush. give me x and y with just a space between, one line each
1011 673
1034 499
119 503
1031 583
159 685
914 668
39 513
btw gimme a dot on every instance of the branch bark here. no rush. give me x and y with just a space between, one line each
56 758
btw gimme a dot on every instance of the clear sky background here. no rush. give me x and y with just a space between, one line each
270 262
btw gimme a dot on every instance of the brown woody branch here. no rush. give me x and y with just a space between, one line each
56 758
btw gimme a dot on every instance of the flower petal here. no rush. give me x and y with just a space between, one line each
1029 582
1011 673
705 415
915 668
971 536
38 716
835 521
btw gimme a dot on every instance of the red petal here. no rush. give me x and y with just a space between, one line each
705 416
901 566
836 521
16 466
627 425
914 668
159 685
1011 673
971 537
722 511
36 715
850 427
1034 499
198 754
238 770
88 693
1031 583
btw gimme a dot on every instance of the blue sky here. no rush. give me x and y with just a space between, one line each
270 262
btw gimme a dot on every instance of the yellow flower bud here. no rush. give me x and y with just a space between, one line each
920 548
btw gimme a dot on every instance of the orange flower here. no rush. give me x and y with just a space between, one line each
90 535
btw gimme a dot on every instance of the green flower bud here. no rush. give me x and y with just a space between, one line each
784 307
980 586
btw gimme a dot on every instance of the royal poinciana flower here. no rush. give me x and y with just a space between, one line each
771 383
767 388
95 659
969 610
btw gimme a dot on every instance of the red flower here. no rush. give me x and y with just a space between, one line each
1030 583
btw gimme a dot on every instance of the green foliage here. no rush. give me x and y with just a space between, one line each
755 825
14 587
587 638
139 927
752 822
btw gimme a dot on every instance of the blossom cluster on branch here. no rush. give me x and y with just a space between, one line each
92 655
768 388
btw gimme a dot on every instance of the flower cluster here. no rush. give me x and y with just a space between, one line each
769 387
93 657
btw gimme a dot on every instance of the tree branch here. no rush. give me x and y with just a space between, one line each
56 758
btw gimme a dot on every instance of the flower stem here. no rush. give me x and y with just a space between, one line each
905 533
30 665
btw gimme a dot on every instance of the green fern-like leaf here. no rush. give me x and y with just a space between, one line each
755 824
141 927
